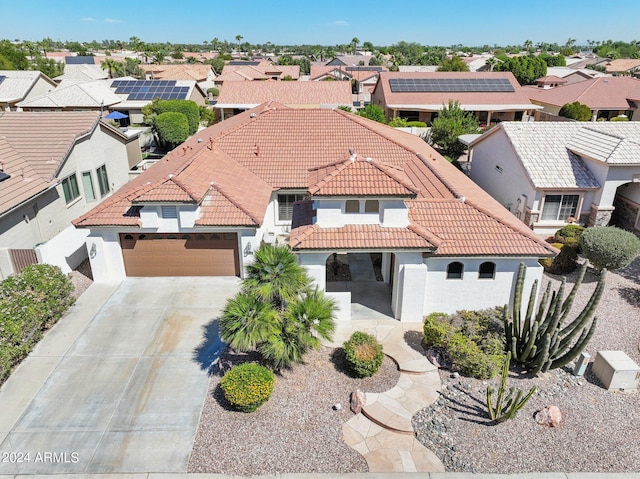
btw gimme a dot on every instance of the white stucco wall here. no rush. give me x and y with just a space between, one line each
470 292
107 264
65 250
330 213
496 169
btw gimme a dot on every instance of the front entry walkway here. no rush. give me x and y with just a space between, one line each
382 432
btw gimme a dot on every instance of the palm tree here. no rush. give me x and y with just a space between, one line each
276 312
112 66
238 39
46 44
354 44
134 43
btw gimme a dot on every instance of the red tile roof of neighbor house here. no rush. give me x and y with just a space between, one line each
289 93
604 93
232 168
33 147
183 71
361 74
517 97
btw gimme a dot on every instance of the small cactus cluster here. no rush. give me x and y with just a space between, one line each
506 407
542 342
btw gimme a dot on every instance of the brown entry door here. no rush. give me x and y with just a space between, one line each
202 254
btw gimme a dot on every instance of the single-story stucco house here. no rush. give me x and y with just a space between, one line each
329 183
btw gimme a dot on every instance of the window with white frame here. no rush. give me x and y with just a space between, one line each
70 188
559 207
285 205
103 180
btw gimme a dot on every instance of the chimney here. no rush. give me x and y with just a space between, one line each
256 149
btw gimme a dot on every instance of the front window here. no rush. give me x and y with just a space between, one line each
87 184
352 206
285 205
70 188
487 270
559 207
371 206
455 270
103 180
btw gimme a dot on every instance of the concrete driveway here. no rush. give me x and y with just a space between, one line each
119 384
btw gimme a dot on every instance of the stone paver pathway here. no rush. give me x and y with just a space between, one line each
382 432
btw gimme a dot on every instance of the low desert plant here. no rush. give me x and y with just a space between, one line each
468 358
566 261
570 231
247 386
363 354
506 407
437 330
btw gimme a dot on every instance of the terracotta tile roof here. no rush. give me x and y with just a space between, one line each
468 230
357 237
551 79
184 71
359 177
289 93
517 98
33 148
258 72
232 167
335 71
228 194
622 65
603 93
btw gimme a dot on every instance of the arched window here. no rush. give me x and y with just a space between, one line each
371 206
352 206
455 270
487 270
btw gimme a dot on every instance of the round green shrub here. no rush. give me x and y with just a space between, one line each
566 261
172 127
248 386
609 247
363 354
569 232
436 330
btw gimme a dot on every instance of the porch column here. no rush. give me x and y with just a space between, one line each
411 288
488 118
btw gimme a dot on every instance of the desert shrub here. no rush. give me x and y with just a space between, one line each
569 232
472 340
417 124
213 91
398 122
30 303
609 247
437 329
575 111
470 360
247 386
363 354
566 261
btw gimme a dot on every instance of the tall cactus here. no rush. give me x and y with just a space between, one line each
541 342
507 406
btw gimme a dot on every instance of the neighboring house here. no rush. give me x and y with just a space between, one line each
623 66
550 81
18 85
236 97
572 75
82 72
417 68
350 60
80 60
252 71
491 96
552 173
607 97
136 94
54 167
362 78
72 96
329 183
203 75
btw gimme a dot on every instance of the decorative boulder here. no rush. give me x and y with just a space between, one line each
549 416
357 401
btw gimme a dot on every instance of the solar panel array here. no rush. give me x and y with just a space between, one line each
80 60
2 77
432 85
363 68
150 89
240 63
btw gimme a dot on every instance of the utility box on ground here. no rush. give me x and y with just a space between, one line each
616 370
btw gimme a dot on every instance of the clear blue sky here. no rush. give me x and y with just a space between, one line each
327 22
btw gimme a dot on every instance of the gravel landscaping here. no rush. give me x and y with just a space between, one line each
599 431
296 431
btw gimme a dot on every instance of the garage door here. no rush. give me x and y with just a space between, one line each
208 254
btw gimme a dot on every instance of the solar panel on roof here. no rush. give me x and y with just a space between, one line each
238 62
431 85
4 176
2 77
363 68
80 60
148 89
